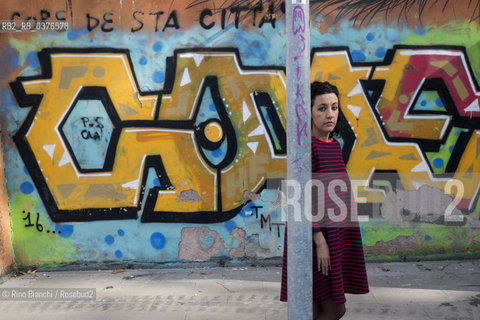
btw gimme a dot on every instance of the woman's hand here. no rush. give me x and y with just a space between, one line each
323 253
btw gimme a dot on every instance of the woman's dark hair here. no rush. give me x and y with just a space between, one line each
318 88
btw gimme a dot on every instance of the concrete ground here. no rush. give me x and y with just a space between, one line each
404 290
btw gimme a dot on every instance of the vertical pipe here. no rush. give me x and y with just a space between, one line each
298 160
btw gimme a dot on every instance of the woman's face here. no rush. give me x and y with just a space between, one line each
324 114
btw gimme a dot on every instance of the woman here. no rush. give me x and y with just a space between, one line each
338 259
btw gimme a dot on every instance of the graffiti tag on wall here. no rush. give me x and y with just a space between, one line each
217 129
393 128
208 136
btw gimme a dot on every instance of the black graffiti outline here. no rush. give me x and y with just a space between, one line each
117 213
95 93
425 145
263 100
90 214
376 85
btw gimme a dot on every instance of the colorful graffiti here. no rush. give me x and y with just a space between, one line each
209 137
217 130
394 129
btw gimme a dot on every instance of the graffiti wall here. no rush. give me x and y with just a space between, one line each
6 257
150 132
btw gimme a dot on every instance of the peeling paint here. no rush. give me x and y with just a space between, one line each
241 235
249 196
280 197
249 246
104 190
427 204
253 249
400 245
191 249
190 196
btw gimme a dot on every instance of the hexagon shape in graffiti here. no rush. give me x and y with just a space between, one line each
90 130
171 122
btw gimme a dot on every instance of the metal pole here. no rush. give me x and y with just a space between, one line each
298 160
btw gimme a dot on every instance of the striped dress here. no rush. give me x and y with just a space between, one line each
340 228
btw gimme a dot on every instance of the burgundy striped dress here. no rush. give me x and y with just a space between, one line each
340 228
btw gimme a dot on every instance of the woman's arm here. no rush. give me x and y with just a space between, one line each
323 253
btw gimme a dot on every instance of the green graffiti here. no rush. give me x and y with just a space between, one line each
32 243
383 231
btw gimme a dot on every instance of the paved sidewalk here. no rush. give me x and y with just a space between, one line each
408 290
